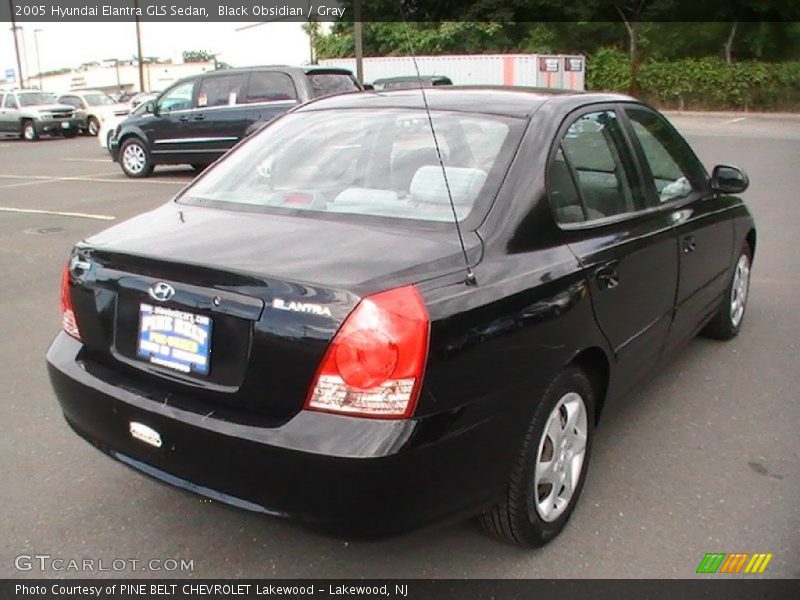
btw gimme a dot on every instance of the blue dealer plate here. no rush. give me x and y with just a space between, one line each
174 339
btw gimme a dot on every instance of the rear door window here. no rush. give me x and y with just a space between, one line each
224 90
270 86
593 161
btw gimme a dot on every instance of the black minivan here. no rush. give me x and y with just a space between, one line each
198 119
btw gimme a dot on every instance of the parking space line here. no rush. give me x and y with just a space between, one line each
94 177
35 211
102 160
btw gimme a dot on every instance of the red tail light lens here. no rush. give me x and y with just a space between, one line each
68 322
374 365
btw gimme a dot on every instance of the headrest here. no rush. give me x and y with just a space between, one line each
428 184
358 195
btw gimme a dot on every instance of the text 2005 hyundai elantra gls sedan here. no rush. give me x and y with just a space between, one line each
301 332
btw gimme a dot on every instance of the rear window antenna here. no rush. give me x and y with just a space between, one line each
470 278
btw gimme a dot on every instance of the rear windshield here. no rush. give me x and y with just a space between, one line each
324 84
98 100
378 163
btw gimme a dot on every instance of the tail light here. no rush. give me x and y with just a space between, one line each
68 322
374 365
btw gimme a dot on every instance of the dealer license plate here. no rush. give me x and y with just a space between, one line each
174 339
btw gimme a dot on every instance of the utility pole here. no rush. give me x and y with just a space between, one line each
38 62
16 42
138 45
358 40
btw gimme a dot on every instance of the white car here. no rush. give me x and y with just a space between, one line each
93 108
109 125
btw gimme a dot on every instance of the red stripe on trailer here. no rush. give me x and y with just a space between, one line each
508 70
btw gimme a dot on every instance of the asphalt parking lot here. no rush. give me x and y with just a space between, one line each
703 458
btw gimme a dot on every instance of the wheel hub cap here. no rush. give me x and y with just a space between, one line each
559 461
740 289
134 158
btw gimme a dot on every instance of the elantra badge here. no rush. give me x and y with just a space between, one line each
303 307
145 434
161 291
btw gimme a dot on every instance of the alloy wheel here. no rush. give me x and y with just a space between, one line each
134 158
559 461
740 289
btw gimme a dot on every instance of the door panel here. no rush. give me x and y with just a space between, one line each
629 255
703 229
170 131
220 118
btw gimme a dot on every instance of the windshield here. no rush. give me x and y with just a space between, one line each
98 100
36 98
365 162
324 84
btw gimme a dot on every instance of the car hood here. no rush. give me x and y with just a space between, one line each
361 258
46 108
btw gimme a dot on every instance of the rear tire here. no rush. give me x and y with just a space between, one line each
29 131
727 321
135 159
548 475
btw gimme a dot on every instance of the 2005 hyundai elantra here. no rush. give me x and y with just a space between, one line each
386 309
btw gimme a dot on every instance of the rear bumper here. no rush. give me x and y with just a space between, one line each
348 476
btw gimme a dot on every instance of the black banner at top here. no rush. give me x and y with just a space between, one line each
396 10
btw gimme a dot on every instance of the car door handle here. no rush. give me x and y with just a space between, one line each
183 118
199 117
606 276
688 244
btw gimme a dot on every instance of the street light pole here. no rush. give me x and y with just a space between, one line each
16 42
38 63
357 35
139 46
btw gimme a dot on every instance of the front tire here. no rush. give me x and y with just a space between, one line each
548 475
727 321
92 126
135 159
29 131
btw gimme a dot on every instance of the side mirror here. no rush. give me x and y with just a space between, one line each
729 180
151 107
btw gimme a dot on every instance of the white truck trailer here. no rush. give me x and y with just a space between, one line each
537 70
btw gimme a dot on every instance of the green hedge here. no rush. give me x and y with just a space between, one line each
704 83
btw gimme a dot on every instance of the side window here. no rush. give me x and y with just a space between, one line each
224 90
590 170
266 86
178 98
69 100
11 101
676 172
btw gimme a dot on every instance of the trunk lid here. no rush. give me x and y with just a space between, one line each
270 291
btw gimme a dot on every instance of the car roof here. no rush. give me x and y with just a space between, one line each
410 78
499 100
83 92
282 68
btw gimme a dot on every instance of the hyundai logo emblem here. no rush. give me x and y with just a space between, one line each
161 291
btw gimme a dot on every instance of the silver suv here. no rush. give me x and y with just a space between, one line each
32 113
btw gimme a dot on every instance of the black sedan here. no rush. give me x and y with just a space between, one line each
370 317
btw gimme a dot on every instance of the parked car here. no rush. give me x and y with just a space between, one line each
412 81
200 118
31 113
109 125
300 333
93 108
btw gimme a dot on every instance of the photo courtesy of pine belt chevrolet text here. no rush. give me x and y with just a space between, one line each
382 310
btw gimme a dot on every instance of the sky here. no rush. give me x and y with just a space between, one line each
70 44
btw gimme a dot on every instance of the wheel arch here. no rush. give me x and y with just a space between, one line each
594 362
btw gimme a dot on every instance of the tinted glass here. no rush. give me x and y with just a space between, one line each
563 194
221 91
178 98
325 84
98 100
595 148
266 86
676 171
36 98
70 100
364 162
